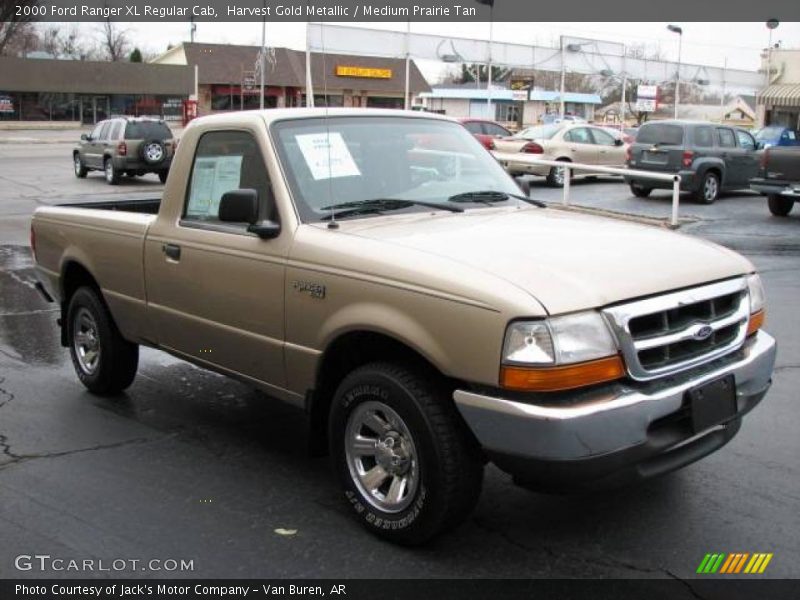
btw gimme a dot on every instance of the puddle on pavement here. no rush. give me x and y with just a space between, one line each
28 331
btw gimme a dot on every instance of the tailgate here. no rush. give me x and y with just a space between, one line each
783 163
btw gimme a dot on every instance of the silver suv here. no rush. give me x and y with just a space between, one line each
129 146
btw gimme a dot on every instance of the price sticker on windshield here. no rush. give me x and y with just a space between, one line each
327 155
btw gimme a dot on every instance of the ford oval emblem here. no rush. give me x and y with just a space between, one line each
703 333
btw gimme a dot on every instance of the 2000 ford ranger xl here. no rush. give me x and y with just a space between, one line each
379 269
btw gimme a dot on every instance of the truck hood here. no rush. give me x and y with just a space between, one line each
566 261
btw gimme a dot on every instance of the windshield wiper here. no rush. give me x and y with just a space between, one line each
490 197
376 205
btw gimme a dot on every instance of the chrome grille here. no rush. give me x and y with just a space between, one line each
677 331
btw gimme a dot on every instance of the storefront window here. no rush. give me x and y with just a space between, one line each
508 112
384 102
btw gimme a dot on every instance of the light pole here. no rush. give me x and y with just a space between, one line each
490 4
679 31
771 24
261 66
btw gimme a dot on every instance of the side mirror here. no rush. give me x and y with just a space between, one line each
85 137
241 206
618 142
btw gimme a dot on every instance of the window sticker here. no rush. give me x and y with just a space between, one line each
211 178
327 155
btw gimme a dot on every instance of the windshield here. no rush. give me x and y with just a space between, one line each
541 132
337 160
769 133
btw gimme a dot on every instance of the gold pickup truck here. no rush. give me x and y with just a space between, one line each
381 271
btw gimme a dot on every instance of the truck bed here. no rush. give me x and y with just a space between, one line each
147 206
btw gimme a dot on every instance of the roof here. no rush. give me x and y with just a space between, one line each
780 94
89 77
470 92
224 64
277 114
577 97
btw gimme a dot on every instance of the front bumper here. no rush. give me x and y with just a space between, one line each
615 432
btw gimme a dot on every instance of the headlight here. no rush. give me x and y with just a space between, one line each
758 303
558 341
756 289
559 353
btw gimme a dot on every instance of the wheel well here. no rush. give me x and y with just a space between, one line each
342 356
73 276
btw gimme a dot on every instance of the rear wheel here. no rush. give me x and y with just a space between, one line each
104 361
407 463
112 175
556 176
780 206
639 190
708 191
80 168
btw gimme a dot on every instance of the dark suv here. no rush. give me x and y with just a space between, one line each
710 158
125 145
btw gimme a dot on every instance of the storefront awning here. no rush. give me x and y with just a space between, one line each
781 94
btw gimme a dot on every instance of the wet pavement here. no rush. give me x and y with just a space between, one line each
191 465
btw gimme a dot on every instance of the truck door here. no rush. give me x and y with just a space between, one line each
216 291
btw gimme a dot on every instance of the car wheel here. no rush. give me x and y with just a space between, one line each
408 465
640 191
112 175
153 152
708 191
80 168
162 176
556 175
104 361
779 206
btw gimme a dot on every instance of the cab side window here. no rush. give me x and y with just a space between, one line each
473 127
224 161
746 141
104 131
603 138
95 135
725 138
703 137
579 136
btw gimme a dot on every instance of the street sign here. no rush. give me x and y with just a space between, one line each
647 91
646 105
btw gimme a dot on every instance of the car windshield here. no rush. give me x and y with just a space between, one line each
769 133
540 132
146 130
341 161
667 135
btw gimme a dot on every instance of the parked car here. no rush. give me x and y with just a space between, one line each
777 135
426 316
779 178
131 146
619 134
486 131
710 158
569 142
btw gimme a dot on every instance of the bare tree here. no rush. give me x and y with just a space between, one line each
114 41
16 33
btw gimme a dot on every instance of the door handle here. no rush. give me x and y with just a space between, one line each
172 251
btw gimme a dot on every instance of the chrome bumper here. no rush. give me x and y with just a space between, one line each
607 419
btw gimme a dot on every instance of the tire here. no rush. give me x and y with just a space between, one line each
104 361
79 167
426 445
555 177
111 173
153 152
162 176
640 191
708 191
779 206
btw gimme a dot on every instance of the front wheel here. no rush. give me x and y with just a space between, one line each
407 463
104 361
779 206
79 167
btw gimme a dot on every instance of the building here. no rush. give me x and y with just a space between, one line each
740 112
779 102
39 89
513 108
228 79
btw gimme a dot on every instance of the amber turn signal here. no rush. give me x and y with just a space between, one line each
756 322
567 377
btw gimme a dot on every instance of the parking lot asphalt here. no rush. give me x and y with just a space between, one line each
190 465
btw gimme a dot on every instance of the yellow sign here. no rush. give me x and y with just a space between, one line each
348 71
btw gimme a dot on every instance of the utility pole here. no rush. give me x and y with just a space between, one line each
262 55
407 96
679 31
563 76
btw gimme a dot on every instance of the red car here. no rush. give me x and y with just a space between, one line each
485 131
